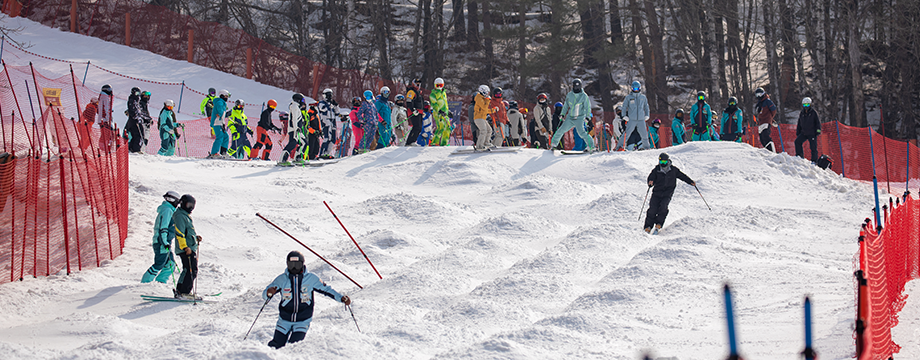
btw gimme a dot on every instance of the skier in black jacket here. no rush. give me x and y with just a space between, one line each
809 128
664 179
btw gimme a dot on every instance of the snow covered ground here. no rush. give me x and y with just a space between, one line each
521 255
524 255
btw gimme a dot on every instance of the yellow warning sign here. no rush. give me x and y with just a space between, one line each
52 97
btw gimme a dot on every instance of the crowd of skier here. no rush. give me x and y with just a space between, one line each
322 130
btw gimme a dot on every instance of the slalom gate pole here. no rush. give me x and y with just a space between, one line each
730 321
257 316
308 248
808 352
197 257
843 169
2 40
907 184
185 141
701 197
352 239
643 202
31 105
85 72
181 92
781 144
878 210
353 317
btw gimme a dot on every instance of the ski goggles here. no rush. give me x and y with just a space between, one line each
439 86
663 162
806 105
732 103
701 98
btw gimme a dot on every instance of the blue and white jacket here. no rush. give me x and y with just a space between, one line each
296 293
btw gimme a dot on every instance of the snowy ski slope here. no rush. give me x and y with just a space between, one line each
519 256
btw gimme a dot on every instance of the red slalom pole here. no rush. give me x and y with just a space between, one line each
308 248
353 240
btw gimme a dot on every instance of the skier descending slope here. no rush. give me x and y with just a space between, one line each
295 311
576 109
163 260
664 180
186 246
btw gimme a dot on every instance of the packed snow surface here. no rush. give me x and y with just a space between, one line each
508 255
513 255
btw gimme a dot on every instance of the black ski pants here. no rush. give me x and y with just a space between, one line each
416 121
280 338
134 130
766 141
812 142
657 209
189 273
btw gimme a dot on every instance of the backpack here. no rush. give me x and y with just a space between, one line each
825 162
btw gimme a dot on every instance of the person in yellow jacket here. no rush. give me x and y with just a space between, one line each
481 116
207 104
239 132
440 113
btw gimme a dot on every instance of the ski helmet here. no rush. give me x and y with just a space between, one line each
224 94
759 93
172 197
427 105
136 91
618 110
513 104
806 102
385 91
679 114
439 83
94 100
542 98
400 97
497 92
355 101
169 104
368 95
664 159
732 101
107 89
656 122
558 105
298 98
145 94
636 86
212 91
701 96
484 90
187 203
240 102
576 85
272 103
327 93
295 262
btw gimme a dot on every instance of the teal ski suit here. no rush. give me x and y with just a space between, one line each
163 260
577 108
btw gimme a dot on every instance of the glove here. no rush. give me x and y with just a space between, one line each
223 128
646 118
271 291
442 113
651 183
249 131
188 251
346 300
775 125
450 114
626 118
311 131
819 131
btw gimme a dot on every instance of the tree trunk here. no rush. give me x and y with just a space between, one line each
787 72
487 40
459 21
472 37
775 81
379 21
857 105
428 43
718 10
522 50
657 81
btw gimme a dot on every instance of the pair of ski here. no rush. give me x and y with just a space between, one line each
487 151
154 298
314 163
809 352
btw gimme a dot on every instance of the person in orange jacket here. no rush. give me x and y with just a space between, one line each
87 120
499 116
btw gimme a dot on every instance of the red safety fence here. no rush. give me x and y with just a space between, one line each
64 203
887 261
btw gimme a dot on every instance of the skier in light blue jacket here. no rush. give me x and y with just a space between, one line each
577 108
295 311
168 127
635 109
221 139
163 260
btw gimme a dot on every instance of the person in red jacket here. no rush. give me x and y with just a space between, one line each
499 117
765 110
86 123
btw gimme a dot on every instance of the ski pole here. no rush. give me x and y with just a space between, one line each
353 317
701 196
643 202
809 352
185 141
353 240
730 321
257 316
308 248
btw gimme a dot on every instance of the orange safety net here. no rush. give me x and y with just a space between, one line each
64 206
888 260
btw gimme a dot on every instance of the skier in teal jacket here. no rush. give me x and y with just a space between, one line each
295 311
163 261
701 118
677 128
577 108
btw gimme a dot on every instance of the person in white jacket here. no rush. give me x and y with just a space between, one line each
400 119
635 107
297 140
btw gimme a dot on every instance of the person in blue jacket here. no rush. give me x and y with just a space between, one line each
701 119
576 110
653 133
731 122
221 139
385 126
163 260
678 134
168 125
295 311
